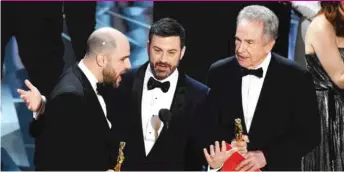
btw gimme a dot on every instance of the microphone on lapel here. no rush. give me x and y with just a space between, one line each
165 116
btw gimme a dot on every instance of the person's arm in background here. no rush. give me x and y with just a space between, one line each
322 38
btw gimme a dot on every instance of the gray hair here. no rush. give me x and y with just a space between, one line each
261 14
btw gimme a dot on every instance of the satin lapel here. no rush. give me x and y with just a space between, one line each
234 107
259 117
136 100
89 92
179 103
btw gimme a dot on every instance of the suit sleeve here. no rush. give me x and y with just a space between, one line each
36 127
306 126
210 77
63 131
37 124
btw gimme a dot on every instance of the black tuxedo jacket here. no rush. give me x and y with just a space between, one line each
73 132
178 147
286 123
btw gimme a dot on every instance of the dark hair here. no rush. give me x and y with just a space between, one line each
332 14
166 27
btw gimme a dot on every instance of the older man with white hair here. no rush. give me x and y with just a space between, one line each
273 97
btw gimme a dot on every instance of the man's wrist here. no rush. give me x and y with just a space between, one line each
41 109
211 169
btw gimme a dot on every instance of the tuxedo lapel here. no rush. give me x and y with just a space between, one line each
260 116
234 85
137 111
177 108
180 96
90 94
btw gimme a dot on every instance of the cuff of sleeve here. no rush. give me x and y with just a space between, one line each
41 109
213 169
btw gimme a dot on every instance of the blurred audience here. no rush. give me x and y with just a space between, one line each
306 10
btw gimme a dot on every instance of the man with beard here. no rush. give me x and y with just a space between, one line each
72 133
156 85
133 110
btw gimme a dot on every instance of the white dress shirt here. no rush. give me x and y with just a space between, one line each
93 81
152 101
250 90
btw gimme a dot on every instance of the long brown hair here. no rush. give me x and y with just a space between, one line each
332 14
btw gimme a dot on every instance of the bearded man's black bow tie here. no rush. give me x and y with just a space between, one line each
257 72
100 88
152 83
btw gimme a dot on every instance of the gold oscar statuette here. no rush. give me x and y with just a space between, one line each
238 130
120 157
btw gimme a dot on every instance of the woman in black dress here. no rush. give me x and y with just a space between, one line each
324 48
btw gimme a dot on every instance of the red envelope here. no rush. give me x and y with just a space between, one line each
233 161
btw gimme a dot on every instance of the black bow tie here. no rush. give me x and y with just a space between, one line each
257 72
152 83
100 88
